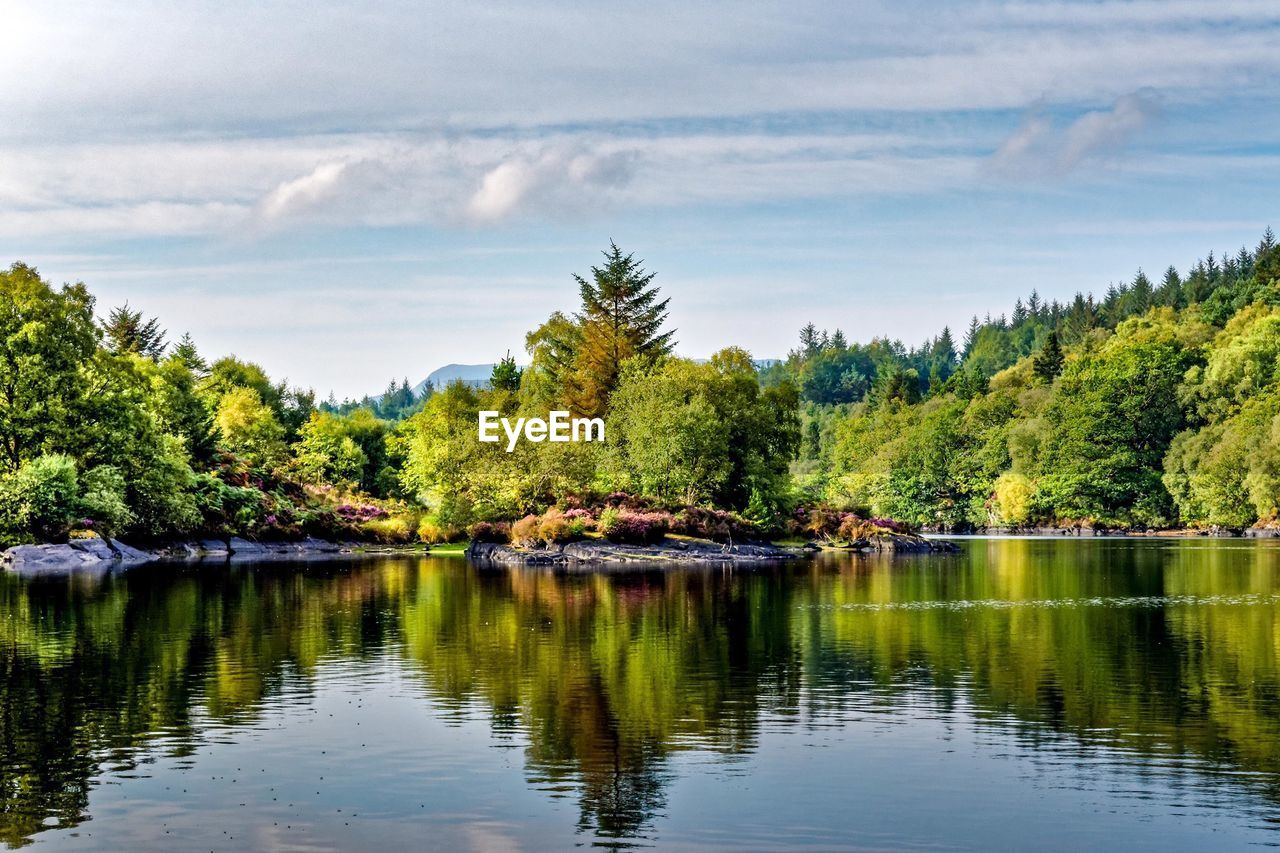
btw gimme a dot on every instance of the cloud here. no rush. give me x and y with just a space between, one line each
147 67
552 179
1040 148
301 194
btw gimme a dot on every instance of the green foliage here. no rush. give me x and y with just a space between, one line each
686 432
48 342
506 375
577 361
248 427
1049 360
38 502
347 449
103 500
127 331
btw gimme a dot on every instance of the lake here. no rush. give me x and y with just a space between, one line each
1022 694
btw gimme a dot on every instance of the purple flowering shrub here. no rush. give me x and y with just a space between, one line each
634 528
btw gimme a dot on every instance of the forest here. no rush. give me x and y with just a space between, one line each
1155 406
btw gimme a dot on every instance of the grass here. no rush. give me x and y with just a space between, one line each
449 548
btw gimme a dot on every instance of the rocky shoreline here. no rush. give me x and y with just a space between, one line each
670 551
597 551
97 554
104 554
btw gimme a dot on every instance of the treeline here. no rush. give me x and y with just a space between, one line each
107 429
1157 405
1153 407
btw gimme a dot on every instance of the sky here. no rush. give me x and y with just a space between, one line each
350 193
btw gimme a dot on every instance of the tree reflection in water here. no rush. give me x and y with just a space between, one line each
1153 647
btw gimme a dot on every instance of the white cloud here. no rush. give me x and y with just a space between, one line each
556 178
300 194
1039 147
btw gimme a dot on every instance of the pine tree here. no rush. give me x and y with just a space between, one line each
810 342
971 335
1267 243
127 331
1140 294
1047 363
1019 313
621 317
1170 291
1033 304
943 354
838 341
506 375
185 351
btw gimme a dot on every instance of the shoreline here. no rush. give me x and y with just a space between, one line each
98 555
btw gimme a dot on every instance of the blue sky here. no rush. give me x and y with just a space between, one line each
347 195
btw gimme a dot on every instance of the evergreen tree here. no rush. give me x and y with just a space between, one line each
1140 294
810 342
621 317
971 335
185 352
1019 312
1048 362
506 375
127 331
1267 243
1034 305
1170 291
838 341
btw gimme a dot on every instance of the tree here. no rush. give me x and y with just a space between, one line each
48 341
1048 362
506 375
249 428
548 381
185 351
621 318
127 331
689 432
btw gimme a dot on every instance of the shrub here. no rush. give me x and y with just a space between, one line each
392 530
824 522
553 527
102 499
39 500
715 524
490 531
639 528
433 531
526 530
1011 502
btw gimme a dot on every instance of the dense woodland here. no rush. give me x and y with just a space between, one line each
1157 405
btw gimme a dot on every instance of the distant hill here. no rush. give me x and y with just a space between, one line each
477 375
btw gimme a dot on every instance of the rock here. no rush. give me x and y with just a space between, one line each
600 552
76 555
215 547
245 548
130 554
94 547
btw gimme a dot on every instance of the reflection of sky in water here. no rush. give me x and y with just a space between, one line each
1010 699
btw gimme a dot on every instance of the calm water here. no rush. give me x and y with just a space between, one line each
1023 694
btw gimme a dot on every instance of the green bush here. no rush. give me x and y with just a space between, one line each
102 500
394 530
38 502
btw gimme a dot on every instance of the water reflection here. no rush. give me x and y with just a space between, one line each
1164 652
